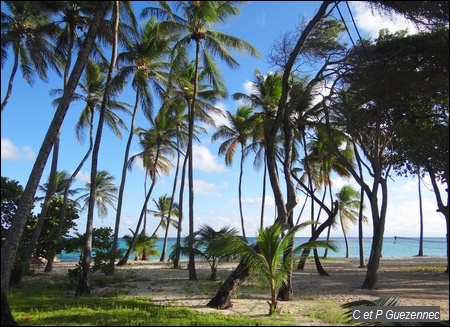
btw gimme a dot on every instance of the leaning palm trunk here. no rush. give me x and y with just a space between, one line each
62 216
11 244
122 185
28 253
83 287
176 260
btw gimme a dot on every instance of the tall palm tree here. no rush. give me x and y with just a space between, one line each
236 133
348 202
91 94
29 31
142 59
204 239
195 24
156 143
11 244
164 213
83 287
266 91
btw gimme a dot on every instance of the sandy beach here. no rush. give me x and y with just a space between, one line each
409 279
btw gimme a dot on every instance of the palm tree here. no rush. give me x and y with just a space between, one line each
204 239
237 133
29 31
142 59
348 202
156 143
104 195
91 93
60 185
195 25
266 91
11 244
83 287
143 245
163 212
269 256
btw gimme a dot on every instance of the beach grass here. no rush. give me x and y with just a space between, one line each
41 301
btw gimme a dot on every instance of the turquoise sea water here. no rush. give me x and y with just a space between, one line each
392 247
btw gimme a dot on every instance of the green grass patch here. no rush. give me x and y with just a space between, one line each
42 302
424 268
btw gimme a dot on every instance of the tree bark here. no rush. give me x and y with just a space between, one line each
222 299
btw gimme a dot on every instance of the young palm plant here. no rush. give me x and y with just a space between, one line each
270 257
204 248
143 244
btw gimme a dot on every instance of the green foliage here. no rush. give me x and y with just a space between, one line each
203 246
101 247
11 193
271 255
143 244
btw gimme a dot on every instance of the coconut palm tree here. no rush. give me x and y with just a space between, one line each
195 24
269 256
142 60
204 238
349 201
266 91
156 143
11 244
143 245
28 30
105 193
164 213
236 133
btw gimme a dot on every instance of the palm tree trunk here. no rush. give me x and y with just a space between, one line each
241 172
62 216
222 299
345 237
11 80
83 287
52 254
263 200
112 260
11 243
174 188
421 216
176 260
27 254
362 263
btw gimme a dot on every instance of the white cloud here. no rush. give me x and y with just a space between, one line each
85 177
205 161
270 201
204 187
13 153
372 23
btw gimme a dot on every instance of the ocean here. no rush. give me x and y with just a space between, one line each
393 247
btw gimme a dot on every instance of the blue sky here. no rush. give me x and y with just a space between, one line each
27 116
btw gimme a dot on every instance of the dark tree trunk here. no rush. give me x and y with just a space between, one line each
319 266
316 234
7 318
222 299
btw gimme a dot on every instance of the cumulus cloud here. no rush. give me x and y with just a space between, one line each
205 161
14 153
